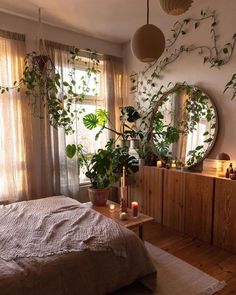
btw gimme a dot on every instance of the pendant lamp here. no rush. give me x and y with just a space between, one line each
148 42
175 7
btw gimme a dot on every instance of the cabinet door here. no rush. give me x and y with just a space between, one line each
224 234
147 189
173 199
198 209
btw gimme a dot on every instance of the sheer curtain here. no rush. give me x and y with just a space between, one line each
33 162
113 69
15 123
67 169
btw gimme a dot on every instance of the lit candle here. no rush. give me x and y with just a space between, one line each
173 164
112 208
134 207
159 164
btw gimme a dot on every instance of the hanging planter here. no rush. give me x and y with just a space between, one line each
175 7
42 62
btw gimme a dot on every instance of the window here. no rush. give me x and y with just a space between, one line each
94 99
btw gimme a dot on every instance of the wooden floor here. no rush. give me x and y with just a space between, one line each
214 261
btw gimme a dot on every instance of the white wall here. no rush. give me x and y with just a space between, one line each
30 29
190 67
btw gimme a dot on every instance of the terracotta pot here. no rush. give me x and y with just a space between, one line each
98 197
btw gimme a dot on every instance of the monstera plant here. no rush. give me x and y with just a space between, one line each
134 127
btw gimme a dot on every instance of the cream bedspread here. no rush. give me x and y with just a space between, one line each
55 225
105 259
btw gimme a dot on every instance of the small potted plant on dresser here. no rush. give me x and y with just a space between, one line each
104 168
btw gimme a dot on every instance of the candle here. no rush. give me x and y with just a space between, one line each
123 216
112 208
173 164
134 207
123 178
159 164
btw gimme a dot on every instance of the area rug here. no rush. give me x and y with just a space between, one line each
175 277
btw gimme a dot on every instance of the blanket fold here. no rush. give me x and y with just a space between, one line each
55 225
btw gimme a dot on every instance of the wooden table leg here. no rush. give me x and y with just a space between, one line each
140 231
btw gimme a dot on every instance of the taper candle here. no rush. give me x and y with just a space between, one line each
123 184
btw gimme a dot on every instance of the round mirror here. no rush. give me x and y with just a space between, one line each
184 126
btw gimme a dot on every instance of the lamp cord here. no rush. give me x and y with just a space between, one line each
147 11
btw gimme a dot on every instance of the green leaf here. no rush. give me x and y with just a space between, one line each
90 121
102 116
198 148
187 20
70 150
131 113
225 50
208 140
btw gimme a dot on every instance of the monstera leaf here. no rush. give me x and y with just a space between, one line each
90 121
102 116
130 114
70 150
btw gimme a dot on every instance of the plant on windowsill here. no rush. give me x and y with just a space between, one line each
103 169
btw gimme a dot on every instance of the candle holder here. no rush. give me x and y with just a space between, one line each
123 199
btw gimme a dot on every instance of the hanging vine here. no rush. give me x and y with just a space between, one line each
44 86
231 85
215 56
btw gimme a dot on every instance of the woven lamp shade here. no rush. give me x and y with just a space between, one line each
148 43
175 7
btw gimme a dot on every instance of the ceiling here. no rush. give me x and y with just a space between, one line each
111 20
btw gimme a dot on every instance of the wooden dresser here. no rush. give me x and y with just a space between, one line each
199 205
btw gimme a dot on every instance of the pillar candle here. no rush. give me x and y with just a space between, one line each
112 208
173 164
134 207
159 164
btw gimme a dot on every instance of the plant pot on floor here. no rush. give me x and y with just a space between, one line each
99 197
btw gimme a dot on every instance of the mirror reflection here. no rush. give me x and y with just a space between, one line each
184 126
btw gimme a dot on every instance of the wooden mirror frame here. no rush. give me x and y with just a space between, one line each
159 103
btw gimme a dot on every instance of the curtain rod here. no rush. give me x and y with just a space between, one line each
86 52
12 35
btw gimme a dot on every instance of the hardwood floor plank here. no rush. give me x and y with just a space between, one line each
216 262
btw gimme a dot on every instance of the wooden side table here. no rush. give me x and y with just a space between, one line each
131 222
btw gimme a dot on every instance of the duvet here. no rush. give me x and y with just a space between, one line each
58 246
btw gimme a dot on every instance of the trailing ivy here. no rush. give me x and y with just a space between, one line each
195 108
214 55
45 87
231 85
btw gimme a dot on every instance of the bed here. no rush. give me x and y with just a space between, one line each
56 245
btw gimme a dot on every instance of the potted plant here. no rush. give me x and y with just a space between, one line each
104 168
